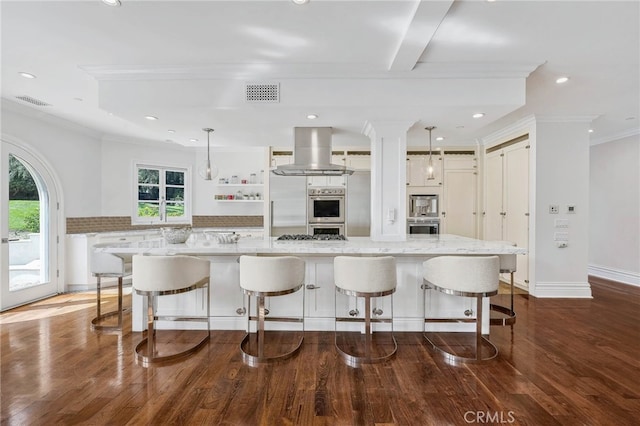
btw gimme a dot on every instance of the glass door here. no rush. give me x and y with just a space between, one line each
28 225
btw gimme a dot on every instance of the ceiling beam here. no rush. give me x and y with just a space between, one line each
426 18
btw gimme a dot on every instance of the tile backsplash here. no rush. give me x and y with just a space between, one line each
82 225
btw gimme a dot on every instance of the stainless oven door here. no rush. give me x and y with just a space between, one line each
424 228
323 208
326 228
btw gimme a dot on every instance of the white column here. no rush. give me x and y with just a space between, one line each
561 178
388 179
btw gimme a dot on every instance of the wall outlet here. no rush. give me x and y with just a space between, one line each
561 236
554 209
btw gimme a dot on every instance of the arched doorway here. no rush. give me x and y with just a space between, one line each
29 228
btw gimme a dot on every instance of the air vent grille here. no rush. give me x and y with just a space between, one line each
262 92
33 101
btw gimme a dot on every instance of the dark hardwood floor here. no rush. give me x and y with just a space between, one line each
565 362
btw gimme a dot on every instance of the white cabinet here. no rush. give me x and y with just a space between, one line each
323 181
227 300
507 200
417 165
359 160
279 158
459 204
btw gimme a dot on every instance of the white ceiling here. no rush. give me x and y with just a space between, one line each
350 62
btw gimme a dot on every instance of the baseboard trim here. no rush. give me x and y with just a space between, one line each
559 290
618 275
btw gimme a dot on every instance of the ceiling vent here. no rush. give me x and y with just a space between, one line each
262 92
33 101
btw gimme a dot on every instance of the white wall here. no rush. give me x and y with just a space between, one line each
614 230
561 178
72 152
118 161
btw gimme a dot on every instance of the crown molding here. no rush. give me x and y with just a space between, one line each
617 136
524 125
565 118
266 70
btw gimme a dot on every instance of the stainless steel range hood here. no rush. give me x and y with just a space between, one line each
312 155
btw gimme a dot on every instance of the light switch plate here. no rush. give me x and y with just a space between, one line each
562 223
561 236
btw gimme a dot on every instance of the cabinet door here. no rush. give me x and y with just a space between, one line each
320 288
416 170
279 160
459 206
516 198
359 161
459 161
227 299
493 197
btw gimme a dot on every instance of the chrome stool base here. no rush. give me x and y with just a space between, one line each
480 339
100 317
146 360
146 349
351 358
510 315
253 357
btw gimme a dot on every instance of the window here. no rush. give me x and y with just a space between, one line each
162 195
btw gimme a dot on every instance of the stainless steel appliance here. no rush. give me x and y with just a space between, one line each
316 237
326 205
423 205
423 226
326 229
288 196
312 154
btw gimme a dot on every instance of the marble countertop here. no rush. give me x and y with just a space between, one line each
443 244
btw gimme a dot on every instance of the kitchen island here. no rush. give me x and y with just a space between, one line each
228 305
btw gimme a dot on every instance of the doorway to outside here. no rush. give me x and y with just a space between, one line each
28 216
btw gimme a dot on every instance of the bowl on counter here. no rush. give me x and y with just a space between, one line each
176 235
227 237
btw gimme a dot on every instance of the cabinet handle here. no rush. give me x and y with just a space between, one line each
444 214
241 311
354 312
376 311
311 287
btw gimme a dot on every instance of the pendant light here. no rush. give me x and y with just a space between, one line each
430 174
208 171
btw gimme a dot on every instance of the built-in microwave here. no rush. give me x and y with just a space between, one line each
326 205
424 226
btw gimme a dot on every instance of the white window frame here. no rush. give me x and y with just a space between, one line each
163 168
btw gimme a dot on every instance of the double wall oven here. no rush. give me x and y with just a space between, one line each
326 210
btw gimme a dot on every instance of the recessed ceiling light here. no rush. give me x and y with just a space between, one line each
440 138
300 1
112 2
26 74
150 117
478 115
561 80
312 116
590 130
193 140
171 131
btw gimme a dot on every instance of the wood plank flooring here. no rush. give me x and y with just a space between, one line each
565 362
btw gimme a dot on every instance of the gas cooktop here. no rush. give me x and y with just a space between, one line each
317 237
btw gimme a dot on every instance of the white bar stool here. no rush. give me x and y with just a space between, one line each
468 276
108 265
264 277
508 265
155 276
365 277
